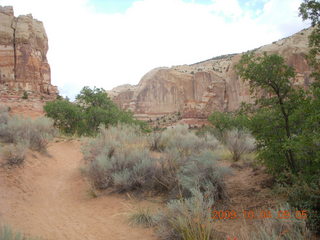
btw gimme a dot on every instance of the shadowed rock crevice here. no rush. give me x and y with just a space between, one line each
13 26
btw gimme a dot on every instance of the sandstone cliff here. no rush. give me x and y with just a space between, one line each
197 90
23 62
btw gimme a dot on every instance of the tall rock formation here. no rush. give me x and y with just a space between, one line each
197 90
23 61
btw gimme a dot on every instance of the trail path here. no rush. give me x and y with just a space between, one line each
247 190
48 197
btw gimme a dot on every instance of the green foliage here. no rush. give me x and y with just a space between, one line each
286 127
25 95
59 97
68 117
271 75
306 196
92 108
227 121
310 10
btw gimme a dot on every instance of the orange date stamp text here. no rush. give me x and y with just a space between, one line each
258 214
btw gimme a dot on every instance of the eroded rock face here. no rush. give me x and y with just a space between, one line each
23 49
199 89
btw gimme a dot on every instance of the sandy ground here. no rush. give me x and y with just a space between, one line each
247 190
48 197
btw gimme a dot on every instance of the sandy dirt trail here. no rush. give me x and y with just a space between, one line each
48 197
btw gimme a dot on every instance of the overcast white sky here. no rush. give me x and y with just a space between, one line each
106 43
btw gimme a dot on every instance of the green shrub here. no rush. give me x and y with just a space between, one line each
238 143
223 122
25 95
285 124
14 154
306 196
67 116
187 219
91 109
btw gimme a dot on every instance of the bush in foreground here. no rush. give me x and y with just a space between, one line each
202 171
14 154
34 133
142 217
277 228
120 158
306 196
187 219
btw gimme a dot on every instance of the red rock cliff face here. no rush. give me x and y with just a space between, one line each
199 89
23 49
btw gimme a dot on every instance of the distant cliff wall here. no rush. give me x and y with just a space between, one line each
197 90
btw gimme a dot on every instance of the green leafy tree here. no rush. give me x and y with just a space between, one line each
227 121
270 77
92 108
96 97
310 10
97 108
286 125
67 116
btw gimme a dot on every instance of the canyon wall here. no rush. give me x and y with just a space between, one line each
194 91
23 61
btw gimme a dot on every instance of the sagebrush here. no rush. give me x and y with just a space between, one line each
238 142
34 133
14 154
187 219
142 217
120 158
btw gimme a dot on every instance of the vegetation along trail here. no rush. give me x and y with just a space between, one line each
48 197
